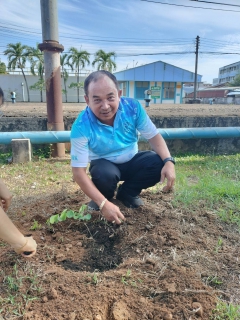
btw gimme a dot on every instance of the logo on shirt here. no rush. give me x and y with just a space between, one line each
127 127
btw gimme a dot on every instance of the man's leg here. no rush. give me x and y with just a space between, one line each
105 175
142 172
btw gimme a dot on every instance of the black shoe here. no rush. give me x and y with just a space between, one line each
129 201
93 206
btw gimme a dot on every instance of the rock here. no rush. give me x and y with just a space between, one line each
198 309
120 312
97 317
45 299
72 316
167 316
53 293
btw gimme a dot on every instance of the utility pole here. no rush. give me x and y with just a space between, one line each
52 50
196 67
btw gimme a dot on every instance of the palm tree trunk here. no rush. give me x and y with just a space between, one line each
26 85
65 87
78 84
41 93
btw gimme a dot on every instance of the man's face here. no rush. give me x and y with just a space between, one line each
103 99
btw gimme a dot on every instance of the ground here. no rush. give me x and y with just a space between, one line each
165 110
163 263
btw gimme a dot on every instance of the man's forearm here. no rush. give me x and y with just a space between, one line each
159 146
87 186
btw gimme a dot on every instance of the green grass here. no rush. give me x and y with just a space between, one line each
212 182
225 311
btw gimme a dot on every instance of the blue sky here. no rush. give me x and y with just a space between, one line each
138 31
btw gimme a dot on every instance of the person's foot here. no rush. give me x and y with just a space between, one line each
92 206
127 200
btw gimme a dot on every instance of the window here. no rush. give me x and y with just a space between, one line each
168 90
141 86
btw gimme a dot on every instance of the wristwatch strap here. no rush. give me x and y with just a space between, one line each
169 159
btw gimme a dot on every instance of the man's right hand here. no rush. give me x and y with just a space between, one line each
112 213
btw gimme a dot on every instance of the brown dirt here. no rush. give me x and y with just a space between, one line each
164 110
157 265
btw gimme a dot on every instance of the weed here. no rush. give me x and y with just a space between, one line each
36 225
213 280
94 278
219 244
225 311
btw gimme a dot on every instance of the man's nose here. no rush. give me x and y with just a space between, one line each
105 104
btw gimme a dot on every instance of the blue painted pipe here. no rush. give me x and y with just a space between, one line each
41 137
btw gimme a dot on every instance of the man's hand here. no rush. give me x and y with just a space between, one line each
112 213
168 172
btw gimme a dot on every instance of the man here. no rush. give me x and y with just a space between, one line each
106 133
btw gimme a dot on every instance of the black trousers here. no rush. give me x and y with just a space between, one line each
141 172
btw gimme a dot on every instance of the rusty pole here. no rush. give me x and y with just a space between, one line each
52 50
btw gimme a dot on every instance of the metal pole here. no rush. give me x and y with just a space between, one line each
52 50
196 67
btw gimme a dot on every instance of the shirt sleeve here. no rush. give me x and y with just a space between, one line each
79 148
144 124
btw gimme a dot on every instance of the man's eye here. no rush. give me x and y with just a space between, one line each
97 100
111 98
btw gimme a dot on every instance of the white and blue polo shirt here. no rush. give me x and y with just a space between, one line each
91 139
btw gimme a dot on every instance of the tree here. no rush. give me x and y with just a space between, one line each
36 59
78 59
64 74
236 81
2 67
17 57
104 60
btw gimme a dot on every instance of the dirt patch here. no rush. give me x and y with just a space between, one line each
21 109
163 263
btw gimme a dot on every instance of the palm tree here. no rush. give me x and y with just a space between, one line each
104 61
37 66
17 57
64 73
78 59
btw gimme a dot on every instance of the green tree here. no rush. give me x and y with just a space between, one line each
236 81
3 67
36 59
78 60
64 74
104 60
17 58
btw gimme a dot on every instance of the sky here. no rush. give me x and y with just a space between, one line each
138 31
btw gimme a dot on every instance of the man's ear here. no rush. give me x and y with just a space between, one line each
86 98
119 93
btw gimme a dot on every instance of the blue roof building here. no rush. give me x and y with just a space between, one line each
165 80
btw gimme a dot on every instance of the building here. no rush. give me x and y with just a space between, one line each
228 73
220 95
165 80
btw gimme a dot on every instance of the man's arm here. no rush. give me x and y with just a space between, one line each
168 171
109 210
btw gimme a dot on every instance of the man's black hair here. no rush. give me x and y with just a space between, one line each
94 76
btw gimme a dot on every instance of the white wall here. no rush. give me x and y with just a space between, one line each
9 82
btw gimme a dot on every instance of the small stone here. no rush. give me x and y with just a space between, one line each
79 244
127 291
98 317
167 316
45 299
53 293
198 309
72 316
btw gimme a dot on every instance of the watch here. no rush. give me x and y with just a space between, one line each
169 159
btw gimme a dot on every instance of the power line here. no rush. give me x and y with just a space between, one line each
222 4
181 5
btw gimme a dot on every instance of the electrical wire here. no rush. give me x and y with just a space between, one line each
185 6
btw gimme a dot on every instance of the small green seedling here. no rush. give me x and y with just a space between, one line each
214 280
35 225
80 215
219 244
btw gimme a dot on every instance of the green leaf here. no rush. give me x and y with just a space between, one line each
70 213
53 219
63 216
